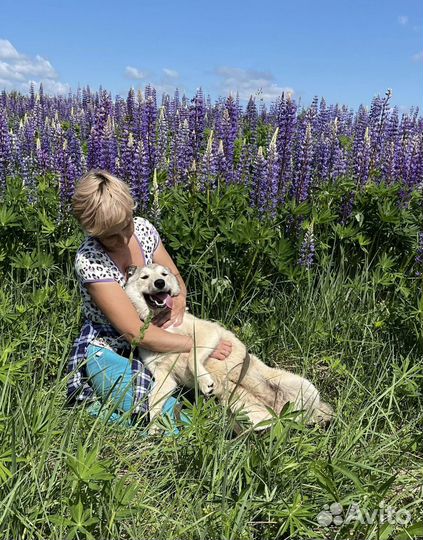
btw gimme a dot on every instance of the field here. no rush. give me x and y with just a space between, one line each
300 229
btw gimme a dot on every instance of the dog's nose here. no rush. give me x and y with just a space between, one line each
159 283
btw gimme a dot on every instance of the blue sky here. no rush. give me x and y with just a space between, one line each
346 50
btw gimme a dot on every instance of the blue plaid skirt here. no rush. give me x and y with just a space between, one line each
79 389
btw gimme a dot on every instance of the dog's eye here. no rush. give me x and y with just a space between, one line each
144 277
164 274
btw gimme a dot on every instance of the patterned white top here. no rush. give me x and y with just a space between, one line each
93 264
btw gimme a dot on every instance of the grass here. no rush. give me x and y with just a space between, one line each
64 474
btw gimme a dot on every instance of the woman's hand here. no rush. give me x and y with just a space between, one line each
223 350
174 316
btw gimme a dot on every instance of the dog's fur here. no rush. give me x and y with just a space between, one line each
242 381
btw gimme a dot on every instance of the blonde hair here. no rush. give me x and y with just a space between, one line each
101 201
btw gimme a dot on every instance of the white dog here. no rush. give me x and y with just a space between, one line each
242 381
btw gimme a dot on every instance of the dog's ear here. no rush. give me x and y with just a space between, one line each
131 270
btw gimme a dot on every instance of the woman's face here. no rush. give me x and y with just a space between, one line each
119 236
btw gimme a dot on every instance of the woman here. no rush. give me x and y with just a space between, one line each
99 361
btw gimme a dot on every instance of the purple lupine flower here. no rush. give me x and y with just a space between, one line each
31 95
362 158
143 179
208 167
130 166
3 100
244 168
221 163
96 154
76 157
28 178
389 148
286 122
338 166
251 119
184 151
359 129
347 204
5 150
162 139
273 167
230 132
15 157
303 164
174 108
42 156
259 180
148 129
109 147
377 120
197 114
307 250
131 108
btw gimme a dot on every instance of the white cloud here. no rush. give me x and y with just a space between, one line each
171 73
249 82
17 71
8 51
134 73
403 20
418 57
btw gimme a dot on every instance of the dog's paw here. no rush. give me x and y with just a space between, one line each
323 415
206 385
155 430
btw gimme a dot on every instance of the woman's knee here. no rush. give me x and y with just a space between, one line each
111 376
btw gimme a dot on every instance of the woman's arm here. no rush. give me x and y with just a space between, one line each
115 304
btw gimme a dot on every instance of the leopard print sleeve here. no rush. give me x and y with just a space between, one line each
93 265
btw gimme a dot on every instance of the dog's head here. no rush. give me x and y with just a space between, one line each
151 288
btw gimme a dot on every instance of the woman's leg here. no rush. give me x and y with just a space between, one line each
111 378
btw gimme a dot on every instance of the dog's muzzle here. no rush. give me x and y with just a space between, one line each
159 300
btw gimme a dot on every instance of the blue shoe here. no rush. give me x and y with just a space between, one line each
171 413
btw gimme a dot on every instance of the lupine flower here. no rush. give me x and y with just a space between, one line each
162 139
155 207
303 166
197 114
259 180
243 170
251 119
273 166
148 129
221 163
307 250
286 122
208 167
362 163
314 145
5 150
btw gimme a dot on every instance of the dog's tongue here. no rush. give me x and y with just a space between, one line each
164 296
